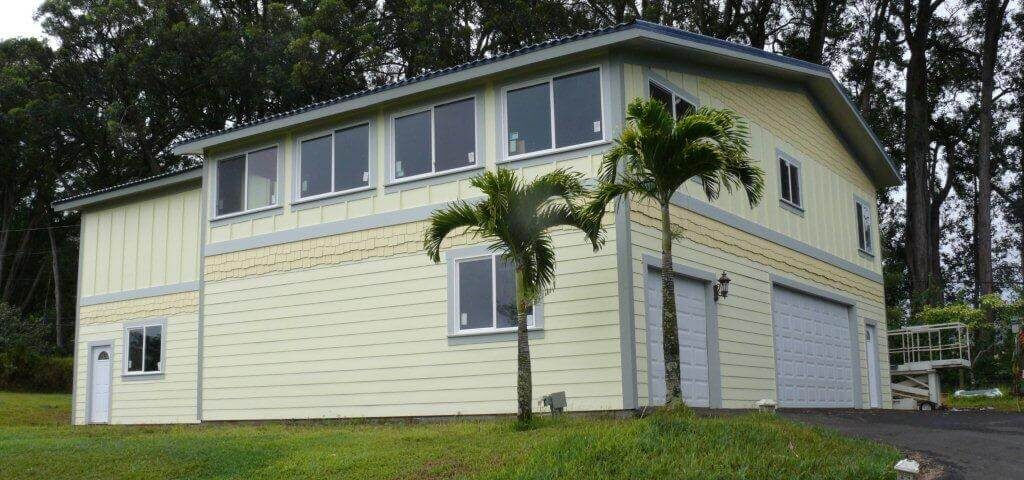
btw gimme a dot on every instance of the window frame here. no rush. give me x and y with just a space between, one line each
431 106
791 162
869 234
215 177
549 80
671 89
143 324
297 197
452 258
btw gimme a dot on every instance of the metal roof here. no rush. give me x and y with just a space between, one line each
129 188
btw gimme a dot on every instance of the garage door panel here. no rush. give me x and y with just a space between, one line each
691 318
812 343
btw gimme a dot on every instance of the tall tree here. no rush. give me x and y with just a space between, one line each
517 218
651 160
815 23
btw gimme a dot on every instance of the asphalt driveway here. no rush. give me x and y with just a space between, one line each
968 444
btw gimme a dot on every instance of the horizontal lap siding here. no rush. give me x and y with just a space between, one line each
746 347
169 398
369 338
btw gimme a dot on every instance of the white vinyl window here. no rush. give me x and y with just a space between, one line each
247 182
485 295
559 112
864 226
334 162
438 139
789 178
143 349
678 106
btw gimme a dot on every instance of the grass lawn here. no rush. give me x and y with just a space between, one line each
35 442
1006 403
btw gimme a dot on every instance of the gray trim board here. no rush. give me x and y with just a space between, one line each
128 189
694 205
467 338
203 228
708 278
850 303
324 229
627 331
139 293
88 379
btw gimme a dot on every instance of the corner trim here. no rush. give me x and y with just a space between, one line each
139 293
376 220
203 232
78 316
627 318
849 303
690 203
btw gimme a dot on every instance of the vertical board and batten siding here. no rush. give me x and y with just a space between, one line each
783 119
141 244
167 398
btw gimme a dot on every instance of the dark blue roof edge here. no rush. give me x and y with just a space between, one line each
132 183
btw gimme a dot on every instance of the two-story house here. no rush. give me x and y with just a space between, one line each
285 277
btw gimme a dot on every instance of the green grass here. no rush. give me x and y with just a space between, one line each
1006 403
33 444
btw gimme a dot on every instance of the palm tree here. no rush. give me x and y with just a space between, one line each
657 155
517 217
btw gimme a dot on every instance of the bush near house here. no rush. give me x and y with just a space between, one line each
37 442
27 360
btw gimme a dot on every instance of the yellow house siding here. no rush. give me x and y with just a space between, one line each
167 398
146 243
368 336
746 349
784 118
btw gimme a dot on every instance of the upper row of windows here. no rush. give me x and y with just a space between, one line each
543 116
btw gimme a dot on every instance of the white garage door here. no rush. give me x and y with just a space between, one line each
812 351
691 313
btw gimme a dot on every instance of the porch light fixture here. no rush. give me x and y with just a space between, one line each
722 287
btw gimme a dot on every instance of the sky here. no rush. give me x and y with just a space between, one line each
16 19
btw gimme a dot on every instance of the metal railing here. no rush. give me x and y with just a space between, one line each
944 344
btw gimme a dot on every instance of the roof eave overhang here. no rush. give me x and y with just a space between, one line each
141 188
820 82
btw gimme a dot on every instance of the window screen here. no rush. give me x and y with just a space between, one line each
529 119
577 108
152 356
352 158
454 135
789 176
261 186
230 185
315 168
412 145
135 341
476 297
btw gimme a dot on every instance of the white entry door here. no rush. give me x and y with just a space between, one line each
99 384
813 359
871 347
691 315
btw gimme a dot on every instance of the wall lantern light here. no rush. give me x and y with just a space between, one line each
722 287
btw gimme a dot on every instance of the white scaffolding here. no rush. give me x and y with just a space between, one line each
917 353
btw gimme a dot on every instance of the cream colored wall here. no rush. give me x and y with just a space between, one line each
783 117
167 398
355 325
142 243
746 348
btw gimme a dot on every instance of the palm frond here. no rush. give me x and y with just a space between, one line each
445 221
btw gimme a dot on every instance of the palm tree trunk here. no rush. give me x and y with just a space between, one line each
669 323
524 387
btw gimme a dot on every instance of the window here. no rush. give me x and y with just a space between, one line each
335 162
440 139
247 182
789 175
561 112
486 294
144 349
677 105
864 228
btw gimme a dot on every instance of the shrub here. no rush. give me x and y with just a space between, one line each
26 355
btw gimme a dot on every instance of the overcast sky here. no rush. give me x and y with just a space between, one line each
16 19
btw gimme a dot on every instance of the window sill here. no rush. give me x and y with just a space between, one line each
865 254
404 182
552 151
142 375
791 207
502 331
246 215
328 198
